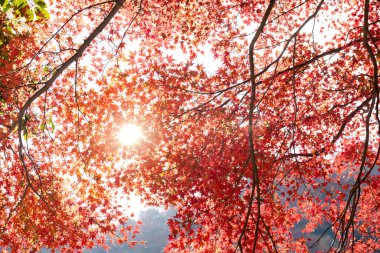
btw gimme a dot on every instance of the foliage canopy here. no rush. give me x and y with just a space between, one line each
257 115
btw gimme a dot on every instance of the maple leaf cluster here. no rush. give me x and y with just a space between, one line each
257 116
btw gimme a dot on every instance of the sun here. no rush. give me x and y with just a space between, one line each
129 134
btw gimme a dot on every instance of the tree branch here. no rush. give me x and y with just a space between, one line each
53 78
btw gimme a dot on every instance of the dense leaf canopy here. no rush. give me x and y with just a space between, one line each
257 115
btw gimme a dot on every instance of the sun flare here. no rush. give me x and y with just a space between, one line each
130 134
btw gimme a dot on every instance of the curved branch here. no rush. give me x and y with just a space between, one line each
49 83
